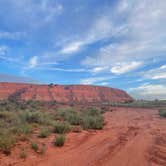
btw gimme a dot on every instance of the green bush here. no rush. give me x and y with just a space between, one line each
69 115
92 119
31 117
6 143
74 119
163 113
92 112
5 115
23 154
8 117
90 122
34 146
59 140
64 112
22 128
44 132
61 127
35 117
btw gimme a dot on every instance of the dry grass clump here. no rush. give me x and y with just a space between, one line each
61 127
59 140
162 113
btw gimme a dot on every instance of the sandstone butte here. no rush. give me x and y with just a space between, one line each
63 93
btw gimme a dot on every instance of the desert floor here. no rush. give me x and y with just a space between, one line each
131 137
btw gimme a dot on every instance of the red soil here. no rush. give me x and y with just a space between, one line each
131 137
63 93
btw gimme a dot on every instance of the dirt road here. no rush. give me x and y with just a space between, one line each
131 137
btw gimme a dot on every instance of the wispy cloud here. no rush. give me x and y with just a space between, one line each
72 47
95 80
18 79
12 35
122 68
48 68
149 91
33 62
97 70
101 29
41 11
4 51
50 9
143 36
156 74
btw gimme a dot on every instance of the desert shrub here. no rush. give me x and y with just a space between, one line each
162 113
61 127
6 143
92 122
34 146
74 119
92 119
7 106
8 117
59 140
22 128
47 119
5 115
23 154
31 117
44 132
64 112
35 117
69 115
92 112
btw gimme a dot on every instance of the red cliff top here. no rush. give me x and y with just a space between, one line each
63 93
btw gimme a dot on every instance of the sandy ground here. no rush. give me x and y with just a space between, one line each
131 137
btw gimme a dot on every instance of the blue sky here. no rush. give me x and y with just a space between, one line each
117 43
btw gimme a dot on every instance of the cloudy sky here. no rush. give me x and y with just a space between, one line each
117 43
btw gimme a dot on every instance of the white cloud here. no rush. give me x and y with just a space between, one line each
104 83
163 67
97 70
156 74
123 6
122 68
12 35
77 70
149 91
50 9
33 62
3 50
143 33
95 80
101 29
35 13
71 48
160 76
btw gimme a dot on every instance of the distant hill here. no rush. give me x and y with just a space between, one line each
63 93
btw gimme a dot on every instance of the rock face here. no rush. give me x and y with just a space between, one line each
63 93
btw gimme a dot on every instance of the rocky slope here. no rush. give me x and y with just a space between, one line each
63 93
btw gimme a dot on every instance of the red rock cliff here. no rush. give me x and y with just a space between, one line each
63 93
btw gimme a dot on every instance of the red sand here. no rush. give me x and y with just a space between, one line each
131 137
